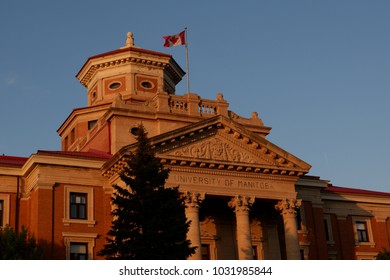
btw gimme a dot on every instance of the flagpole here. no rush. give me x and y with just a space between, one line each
187 66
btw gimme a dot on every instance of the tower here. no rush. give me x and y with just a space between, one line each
132 85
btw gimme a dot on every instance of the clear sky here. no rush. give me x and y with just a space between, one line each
317 72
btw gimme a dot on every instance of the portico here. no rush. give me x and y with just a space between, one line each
251 180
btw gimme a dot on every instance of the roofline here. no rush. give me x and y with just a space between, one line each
122 50
353 191
12 161
88 109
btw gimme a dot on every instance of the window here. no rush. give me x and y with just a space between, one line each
79 245
1 212
115 85
78 251
206 252
91 124
4 209
361 229
255 253
78 205
328 229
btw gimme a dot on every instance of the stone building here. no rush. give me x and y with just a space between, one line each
246 197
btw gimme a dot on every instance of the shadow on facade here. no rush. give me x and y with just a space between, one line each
329 231
52 251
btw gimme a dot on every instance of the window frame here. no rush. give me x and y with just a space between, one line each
80 237
362 231
370 237
208 248
5 212
71 244
328 229
211 245
89 191
80 208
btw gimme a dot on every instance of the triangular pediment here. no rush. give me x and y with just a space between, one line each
216 147
220 143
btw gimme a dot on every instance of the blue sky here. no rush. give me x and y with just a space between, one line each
316 71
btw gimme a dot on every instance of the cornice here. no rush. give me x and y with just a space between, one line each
72 161
131 55
84 79
231 166
232 172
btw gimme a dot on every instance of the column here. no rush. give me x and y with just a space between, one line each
287 208
192 201
241 205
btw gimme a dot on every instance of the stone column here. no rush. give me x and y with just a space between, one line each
287 208
192 201
241 206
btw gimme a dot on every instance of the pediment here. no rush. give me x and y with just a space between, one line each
218 148
224 144
217 143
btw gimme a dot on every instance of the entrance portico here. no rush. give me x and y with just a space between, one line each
217 162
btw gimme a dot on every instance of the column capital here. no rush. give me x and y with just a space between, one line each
241 203
193 199
288 206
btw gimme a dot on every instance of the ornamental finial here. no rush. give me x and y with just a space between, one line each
129 39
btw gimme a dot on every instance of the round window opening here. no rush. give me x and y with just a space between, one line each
146 84
115 85
134 131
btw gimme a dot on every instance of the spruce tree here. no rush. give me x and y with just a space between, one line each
149 221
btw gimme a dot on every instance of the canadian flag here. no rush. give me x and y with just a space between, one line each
175 40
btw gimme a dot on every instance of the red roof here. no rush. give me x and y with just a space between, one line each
336 189
11 160
90 154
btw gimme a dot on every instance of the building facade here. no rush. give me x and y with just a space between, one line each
246 197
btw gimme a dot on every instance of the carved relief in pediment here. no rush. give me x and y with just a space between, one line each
215 149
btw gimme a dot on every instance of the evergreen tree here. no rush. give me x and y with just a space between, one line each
149 220
383 255
18 246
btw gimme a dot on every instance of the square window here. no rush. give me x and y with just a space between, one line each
78 205
78 251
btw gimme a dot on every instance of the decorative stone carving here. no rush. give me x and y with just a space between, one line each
241 203
193 199
215 149
129 39
288 206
